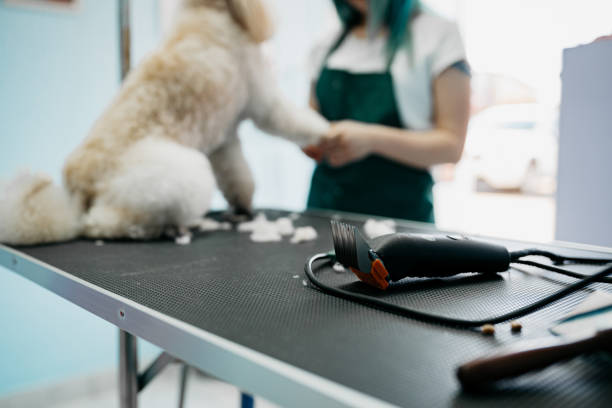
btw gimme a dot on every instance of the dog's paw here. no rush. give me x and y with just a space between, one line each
238 214
180 235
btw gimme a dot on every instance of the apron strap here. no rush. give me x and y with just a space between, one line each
345 32
390 58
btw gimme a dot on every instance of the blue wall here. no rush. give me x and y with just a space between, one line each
58 70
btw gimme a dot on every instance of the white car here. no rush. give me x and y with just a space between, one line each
513 147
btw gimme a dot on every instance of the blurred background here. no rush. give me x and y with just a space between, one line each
59 68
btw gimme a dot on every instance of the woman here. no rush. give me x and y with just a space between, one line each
396 86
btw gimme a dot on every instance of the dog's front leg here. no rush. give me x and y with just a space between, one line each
273 113
234 176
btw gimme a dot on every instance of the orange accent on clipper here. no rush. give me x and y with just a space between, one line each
376 277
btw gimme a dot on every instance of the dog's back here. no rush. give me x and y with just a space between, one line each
190 90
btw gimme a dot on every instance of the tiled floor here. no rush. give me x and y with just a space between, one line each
100 392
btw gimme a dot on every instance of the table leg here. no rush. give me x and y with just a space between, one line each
124 37
128 370
246 400
183 385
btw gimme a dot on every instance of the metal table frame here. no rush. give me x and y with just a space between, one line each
245 368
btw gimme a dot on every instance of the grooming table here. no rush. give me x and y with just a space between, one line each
244 312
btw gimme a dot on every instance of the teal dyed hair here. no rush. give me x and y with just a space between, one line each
393 14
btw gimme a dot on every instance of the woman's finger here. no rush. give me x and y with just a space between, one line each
314 152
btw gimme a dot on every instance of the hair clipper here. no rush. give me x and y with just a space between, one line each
392 257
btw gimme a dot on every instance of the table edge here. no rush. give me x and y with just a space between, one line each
248 369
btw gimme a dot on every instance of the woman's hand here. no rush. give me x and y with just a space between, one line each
347 141
315 152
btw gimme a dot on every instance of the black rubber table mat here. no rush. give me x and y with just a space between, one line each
255 294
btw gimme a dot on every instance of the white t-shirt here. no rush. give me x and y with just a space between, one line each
435 45
360 55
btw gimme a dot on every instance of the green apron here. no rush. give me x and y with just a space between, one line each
374 185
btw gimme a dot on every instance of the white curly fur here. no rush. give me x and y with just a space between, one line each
146 164
33 210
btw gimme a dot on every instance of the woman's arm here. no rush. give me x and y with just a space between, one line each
348 141
312 101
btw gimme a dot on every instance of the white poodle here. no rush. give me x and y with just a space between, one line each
147 165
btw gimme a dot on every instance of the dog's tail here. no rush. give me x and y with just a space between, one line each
34 211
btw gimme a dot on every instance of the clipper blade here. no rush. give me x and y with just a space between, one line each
345 244
354 252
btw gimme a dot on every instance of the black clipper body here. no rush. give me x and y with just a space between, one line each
392 257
